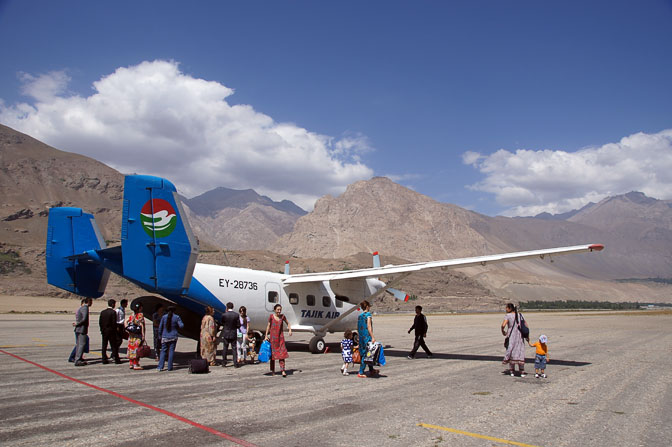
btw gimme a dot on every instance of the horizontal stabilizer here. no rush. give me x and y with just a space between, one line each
72 232
398 294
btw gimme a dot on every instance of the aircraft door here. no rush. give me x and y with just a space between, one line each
272 295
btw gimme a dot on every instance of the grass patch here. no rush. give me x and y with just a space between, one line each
585 305
10 261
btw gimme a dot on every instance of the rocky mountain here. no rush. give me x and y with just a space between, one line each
240 219
380 215
35 177
341 232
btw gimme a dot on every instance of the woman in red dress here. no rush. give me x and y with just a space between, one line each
135 340
277 339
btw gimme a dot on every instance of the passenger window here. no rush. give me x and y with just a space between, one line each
326 301
293 298
272 296
310 300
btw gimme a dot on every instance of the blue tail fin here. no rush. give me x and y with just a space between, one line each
72 232
158 248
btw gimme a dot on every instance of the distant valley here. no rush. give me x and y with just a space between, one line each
241 227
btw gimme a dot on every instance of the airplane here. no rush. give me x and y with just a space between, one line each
158 252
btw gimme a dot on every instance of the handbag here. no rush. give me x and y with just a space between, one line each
506 343
372 353
265 351
134 329
356 356
144 350
381 357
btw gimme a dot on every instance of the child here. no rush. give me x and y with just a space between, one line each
541 357
346 351
251 342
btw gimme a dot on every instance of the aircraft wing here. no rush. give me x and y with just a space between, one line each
375 272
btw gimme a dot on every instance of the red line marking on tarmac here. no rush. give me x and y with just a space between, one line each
137 402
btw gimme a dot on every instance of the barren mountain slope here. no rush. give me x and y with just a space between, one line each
380 215
35 177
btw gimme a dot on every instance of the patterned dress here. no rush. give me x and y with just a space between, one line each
277 338
135 340
208 339
346 350
515 353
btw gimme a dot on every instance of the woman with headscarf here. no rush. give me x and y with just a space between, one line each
515 350
208 336
135 338
365 333
170 323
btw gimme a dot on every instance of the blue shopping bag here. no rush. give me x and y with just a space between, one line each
265 351
381 357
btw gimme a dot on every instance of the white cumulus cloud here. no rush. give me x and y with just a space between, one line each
152 118
530 182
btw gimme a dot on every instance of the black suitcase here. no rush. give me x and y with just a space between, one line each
198 366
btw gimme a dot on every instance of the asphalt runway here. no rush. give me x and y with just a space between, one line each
609 383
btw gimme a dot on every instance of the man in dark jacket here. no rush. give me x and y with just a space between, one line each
420 326
108 330
229 334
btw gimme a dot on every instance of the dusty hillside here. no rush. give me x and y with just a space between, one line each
375 215
35 177
253 227
380 215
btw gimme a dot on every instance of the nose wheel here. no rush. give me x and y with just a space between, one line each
317 345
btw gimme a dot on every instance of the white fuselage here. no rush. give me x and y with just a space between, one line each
308 307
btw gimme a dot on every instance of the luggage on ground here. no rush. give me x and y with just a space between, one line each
198 366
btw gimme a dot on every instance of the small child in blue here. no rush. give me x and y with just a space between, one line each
346 351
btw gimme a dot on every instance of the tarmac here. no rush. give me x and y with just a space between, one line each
609 383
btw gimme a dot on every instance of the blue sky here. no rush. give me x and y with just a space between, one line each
507 108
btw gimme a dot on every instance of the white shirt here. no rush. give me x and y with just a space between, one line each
121 315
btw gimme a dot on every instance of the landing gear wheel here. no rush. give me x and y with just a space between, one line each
355 339
317 345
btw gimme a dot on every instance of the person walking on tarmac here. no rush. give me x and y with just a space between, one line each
420 326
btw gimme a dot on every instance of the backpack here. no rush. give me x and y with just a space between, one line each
524 330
